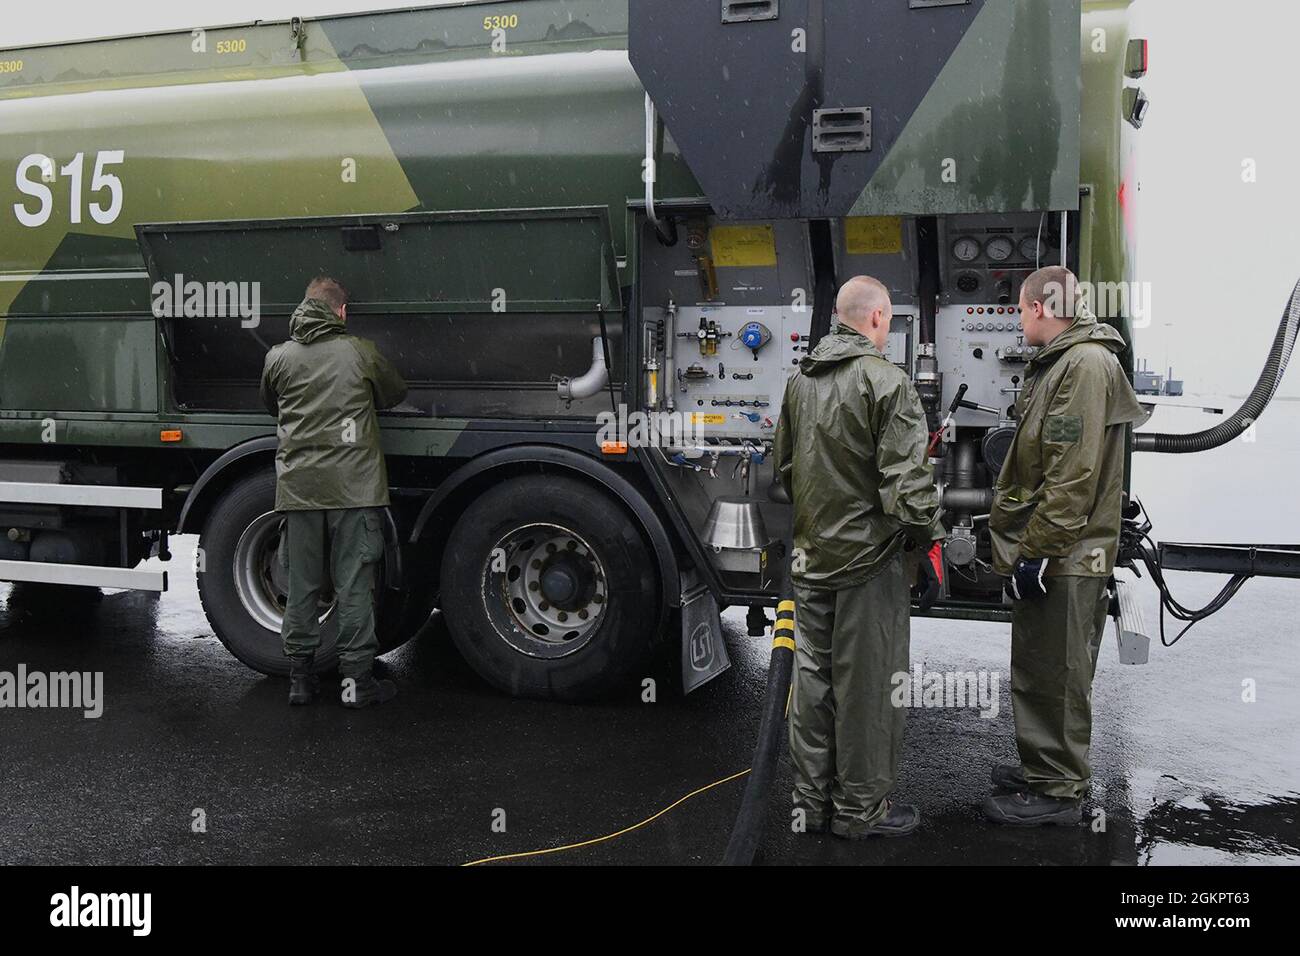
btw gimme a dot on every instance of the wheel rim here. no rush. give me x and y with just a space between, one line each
261 581
545 590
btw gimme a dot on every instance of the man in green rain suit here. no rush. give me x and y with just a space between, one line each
1055 524
851 453
332 485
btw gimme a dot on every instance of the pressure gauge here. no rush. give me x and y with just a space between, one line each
1033 249
966 249
1000 248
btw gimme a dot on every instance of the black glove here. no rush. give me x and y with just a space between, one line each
929 577
1027 579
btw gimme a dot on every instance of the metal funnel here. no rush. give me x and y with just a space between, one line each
735 522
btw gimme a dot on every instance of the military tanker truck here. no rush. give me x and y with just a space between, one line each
595 236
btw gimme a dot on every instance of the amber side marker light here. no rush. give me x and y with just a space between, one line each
613 448
170 434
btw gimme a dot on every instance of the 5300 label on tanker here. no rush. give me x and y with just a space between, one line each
36 179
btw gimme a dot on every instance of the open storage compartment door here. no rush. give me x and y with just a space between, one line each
479 311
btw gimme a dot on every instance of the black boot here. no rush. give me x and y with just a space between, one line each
1029 809
303 684
900 819
365 691
1007 776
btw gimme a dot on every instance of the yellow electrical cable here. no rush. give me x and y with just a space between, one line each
610 836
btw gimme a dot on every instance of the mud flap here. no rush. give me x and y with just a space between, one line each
704 653
1130 628
394 572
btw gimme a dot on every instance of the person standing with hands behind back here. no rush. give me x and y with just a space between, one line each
851 452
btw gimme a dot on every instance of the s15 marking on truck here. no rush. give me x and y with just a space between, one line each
35 173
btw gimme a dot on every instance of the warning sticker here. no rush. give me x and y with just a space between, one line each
698 419
873 235
743 245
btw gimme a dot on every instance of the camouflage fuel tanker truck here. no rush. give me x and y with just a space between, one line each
595 236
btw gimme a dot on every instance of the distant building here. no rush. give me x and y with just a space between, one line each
1147 382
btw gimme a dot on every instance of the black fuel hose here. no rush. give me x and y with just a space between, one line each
1253 407
1180 612
747 833
1135 545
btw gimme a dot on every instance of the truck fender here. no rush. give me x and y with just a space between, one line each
257 446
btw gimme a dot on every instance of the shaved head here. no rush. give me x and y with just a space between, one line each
1048 304
859 297
864 305
330 291
1055 287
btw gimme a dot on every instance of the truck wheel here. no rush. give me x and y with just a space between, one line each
549 589
243 586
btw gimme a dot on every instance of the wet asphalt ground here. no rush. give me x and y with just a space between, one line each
1186 771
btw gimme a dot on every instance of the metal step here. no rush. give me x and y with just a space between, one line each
1130 628
91 496
41 572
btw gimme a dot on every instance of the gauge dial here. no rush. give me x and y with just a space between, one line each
966 249
1033 249
1000 248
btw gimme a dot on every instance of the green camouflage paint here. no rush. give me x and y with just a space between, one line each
479 106
997 131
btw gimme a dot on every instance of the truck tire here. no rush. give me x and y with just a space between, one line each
242 586
549 589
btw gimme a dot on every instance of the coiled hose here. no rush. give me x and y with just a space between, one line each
1253 407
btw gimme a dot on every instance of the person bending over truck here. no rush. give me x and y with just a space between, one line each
324 386
851 453
1055 526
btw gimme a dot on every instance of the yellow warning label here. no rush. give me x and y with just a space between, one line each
873 235
708 419
743 245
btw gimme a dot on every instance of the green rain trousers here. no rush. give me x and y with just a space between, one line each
341 546
1054 645
845 734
